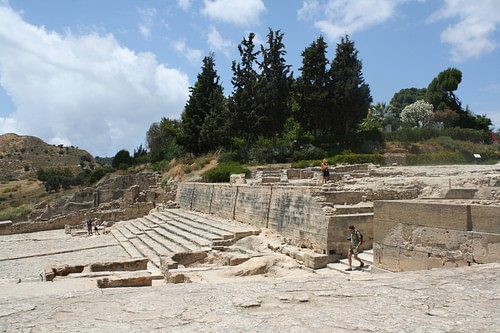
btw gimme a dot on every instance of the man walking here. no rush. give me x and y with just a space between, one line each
356 241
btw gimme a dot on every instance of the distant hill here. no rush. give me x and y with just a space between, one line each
22 156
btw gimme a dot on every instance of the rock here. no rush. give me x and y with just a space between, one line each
142 279
136 264
189 258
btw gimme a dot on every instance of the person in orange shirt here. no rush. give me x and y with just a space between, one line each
325 171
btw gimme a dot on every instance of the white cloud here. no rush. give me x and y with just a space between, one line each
217 42
193 55
239 12
184 4
335 18
471 36
86 90
309 11
147 20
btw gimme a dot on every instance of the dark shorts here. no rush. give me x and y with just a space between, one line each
326 173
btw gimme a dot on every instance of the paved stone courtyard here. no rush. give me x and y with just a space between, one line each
446 300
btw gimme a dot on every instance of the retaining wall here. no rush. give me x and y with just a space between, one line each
418 234
293 212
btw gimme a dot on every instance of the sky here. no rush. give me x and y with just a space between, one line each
96 74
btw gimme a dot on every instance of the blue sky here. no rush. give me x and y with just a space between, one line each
96 74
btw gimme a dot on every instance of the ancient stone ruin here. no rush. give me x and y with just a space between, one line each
411 219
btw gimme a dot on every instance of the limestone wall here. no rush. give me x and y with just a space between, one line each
419 234
293 212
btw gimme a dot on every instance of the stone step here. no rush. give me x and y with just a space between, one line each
146 251
366 256
156 233
175 242
207 225
125 231
343 264
154 245
223 226
125 244
193 227
180 230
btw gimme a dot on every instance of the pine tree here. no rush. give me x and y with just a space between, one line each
206 100
349 94
242 104
273 87
311 88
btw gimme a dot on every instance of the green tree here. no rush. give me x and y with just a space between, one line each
242 103
349 94
162 139
400 100
205 100
122 160
273 87
311 87
440 92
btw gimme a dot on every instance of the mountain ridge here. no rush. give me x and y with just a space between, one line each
21 156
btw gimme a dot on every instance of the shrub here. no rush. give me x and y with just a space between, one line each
11 212
436 158
423 134
222 172
358 158
306 163
308 152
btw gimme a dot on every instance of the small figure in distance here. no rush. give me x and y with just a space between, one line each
356 239
96 229
325 171
89 226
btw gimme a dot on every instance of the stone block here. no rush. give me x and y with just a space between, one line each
135 264
416 212
202 197
485 247
167 263
485 218
5 227
142 279
236 259
315 260
189 258
460 193
51 271
177 278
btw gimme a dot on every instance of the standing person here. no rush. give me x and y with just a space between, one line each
325 171
89 226
96 229
356 239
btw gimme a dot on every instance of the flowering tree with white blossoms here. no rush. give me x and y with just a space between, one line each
418 114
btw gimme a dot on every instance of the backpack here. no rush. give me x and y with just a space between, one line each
359 235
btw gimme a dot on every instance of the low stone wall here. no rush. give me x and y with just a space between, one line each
76 218
419 234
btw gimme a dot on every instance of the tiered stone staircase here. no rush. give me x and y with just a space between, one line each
169 231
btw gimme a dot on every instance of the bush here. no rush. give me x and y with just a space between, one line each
222 172
264 151
308 152
423 134
436 158
346 158
306 164
358 159
11 213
